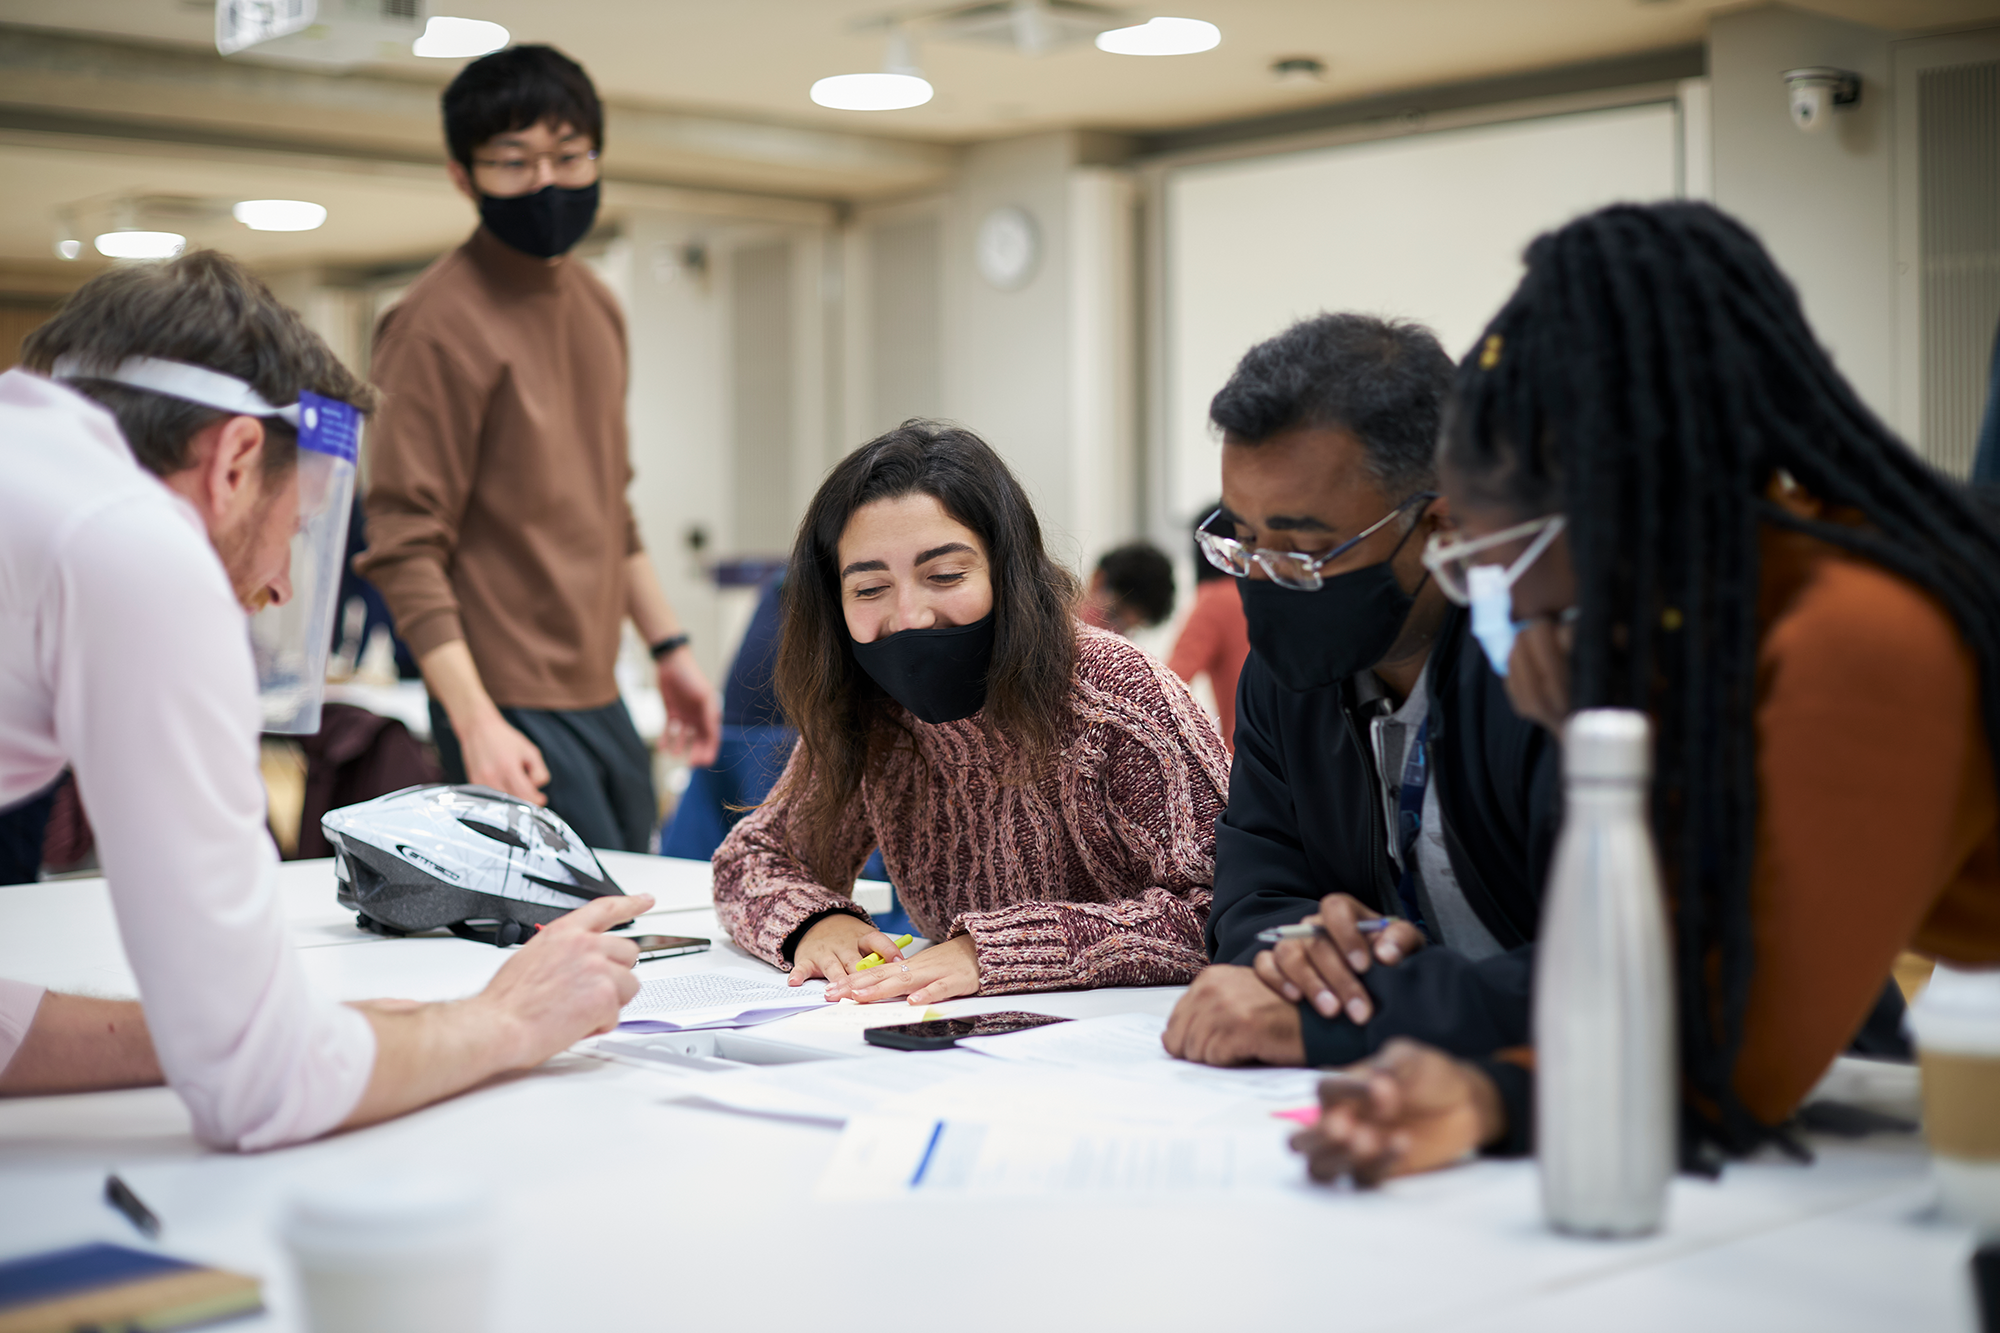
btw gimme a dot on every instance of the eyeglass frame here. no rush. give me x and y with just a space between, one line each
534 160
1442 549
1213 542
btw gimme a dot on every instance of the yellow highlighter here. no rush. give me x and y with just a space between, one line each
875 959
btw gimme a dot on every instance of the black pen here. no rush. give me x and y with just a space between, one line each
120 1196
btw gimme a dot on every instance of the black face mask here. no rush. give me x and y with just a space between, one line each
1311 640
543 224
939 674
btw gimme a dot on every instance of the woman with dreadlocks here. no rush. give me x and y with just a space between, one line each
1700 519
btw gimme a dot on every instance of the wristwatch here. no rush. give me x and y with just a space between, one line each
668 645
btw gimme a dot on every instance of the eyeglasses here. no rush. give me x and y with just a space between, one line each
517 171
1450 559
1288 569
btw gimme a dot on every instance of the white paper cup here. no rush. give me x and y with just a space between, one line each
1956 1022
392 1255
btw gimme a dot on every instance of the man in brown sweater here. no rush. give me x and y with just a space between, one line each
499 532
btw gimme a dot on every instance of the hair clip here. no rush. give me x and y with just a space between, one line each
1489 355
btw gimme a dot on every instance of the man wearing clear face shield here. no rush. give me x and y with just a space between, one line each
170 434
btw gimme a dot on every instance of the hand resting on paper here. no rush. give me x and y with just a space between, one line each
941 972
1230 1017
834 945
1408 1108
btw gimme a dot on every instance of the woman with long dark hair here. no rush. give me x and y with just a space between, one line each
1044 795
1697 517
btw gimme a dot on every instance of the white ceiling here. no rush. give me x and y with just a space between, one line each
758 57
746 65
372 216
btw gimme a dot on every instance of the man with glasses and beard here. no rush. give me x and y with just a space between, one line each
1386 803
498 528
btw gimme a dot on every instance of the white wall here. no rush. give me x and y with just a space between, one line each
1427 227
1823 204
1103 500
1045 372
678 411
1006 353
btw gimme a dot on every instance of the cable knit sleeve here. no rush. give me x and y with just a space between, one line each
764 892
1141 788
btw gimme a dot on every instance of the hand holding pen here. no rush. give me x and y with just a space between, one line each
1323 957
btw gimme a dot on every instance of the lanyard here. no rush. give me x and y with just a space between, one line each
1410 821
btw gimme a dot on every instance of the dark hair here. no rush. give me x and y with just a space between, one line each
206 309
844 719
1651 378
513 90
1383 379
1139 575
1204 568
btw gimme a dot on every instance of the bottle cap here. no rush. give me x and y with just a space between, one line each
1601 744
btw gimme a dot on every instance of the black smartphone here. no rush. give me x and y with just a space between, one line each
934 1034
666 946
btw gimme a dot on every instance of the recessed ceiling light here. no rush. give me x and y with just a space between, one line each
140 244
872 92
279 214
1161 37
455 39
68 248
1299 71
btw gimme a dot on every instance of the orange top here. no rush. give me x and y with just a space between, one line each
1215 639
1879 827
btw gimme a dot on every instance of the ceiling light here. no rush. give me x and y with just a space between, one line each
872 92
68 248
1298 72
278 214
456 39
897 87
140 244
1161 37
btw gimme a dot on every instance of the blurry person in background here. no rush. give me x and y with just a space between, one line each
1131 588
1044 794
1215 638
153 490
498 528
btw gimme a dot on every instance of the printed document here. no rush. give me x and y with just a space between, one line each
1128 1046
688 1001
890 1156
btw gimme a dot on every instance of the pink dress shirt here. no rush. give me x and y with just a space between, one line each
123 655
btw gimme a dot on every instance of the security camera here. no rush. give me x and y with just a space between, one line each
1816 91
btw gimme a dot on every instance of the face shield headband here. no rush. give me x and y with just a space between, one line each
290 640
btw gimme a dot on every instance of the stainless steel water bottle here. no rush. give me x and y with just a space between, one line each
1605 1059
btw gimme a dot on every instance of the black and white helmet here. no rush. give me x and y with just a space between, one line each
483 864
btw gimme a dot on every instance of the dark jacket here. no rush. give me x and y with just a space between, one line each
1305 820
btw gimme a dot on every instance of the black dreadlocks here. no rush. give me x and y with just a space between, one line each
1651 377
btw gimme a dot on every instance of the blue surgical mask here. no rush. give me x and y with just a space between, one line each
1490 594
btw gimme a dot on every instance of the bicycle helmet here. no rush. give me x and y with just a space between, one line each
478 862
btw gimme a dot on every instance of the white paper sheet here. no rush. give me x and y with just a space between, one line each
1128 1046
890 1156
834 1090
958 1084
692 1000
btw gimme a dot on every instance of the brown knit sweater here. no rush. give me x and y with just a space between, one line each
1097 873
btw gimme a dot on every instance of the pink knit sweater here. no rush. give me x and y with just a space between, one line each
1096 874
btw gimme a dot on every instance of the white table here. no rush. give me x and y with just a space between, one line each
623 1207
